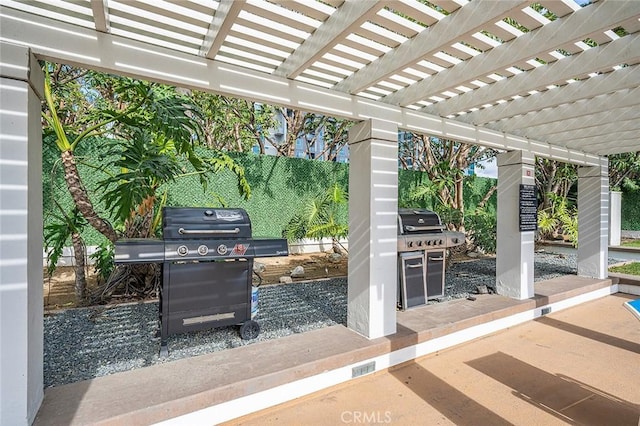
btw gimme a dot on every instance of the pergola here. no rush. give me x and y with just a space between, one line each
557 79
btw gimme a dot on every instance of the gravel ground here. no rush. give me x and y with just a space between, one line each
85 343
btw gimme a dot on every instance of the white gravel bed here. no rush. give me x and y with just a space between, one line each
90 342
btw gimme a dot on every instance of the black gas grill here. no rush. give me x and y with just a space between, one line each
207 264
422 249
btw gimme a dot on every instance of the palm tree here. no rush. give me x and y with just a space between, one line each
322 217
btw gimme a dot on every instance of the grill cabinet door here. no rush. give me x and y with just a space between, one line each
435 274
413 290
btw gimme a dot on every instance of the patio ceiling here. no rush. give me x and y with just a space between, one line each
559 72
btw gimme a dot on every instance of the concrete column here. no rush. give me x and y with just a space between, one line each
21 306
615 217
373 209
515 249
593 220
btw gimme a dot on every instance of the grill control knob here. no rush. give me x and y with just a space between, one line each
419 243
182 251
429 242
410 244
203 250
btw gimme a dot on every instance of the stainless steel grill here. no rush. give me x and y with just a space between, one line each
422 250
207 264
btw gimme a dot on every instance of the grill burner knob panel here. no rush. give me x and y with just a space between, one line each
182 251
203 250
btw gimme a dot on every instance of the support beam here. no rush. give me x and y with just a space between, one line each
467 20
100 11
624 115
619 148
611 130
87 48
346 20
627 98
226 14
515 248
593 220
21 309
602 141
373 208
602 58
625 78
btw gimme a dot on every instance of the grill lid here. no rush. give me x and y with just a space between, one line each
201 222
418 221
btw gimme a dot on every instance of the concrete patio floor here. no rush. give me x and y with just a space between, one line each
579 365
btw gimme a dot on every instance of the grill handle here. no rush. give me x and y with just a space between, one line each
437 259
423 228
417 265
183 231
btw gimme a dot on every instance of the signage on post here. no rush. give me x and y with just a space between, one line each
528 208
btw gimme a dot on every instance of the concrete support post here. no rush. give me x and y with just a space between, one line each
373 208
593 220
615 218
21 309
515 249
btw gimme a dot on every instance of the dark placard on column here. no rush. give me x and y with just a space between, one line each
528 208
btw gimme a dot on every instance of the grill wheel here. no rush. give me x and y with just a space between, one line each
249 330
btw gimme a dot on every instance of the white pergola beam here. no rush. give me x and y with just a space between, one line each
350 16
549 130
621 99
601 58
603 130
619 148
100 11
609 140
601 16
226 13
595 86
466 20
139 60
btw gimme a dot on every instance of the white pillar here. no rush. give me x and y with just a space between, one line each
515 248
373 209
21 306
615 217
593 220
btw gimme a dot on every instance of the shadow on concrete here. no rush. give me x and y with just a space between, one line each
561 396
449 401
591 334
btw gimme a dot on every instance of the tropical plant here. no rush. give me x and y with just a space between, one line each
67 227
481 228
149 127
559 219
624 171
322 217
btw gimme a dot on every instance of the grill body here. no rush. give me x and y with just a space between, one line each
207 263
423 242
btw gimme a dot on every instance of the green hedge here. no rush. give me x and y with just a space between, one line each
630 215
280 186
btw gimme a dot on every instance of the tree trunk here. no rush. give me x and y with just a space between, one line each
81 279
81 198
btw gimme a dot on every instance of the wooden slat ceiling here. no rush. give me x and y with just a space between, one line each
443 57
